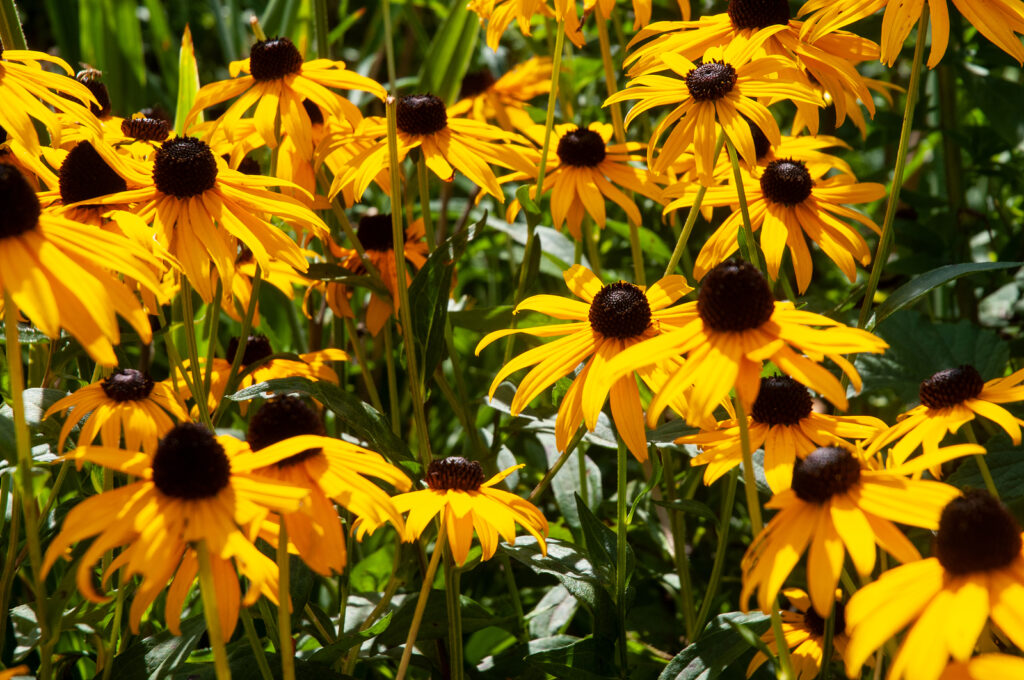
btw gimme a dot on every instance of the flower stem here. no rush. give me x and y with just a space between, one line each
784 670
389 352
724 517
284 609
621 528
691 217
389 51
254 642
29 507
826 656
323 46
749 482
188 318
454 602
678 523
243 340
209 595
549 118
357 349
593 253
11 35
979 458
421 602
748 230
885 241
402 285
210 330
544 483
423 182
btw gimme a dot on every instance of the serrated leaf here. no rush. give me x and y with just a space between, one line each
719 646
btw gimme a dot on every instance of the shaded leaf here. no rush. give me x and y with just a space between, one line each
719 646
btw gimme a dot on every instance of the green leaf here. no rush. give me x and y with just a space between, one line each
1004 462
371 573
450 52
331 653
154 656
553 612
601 545
435 619
188 82
919 285
526 200
691 507
719 646
585 659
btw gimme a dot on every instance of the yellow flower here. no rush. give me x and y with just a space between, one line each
719 93
838 505
483 98
726 335
977 574
986 667
196 487
583 172
641 10
498 14
949 399
784 422
610 319
803 631
457 491
786 202
126 403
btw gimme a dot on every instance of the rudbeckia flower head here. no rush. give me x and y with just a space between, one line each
803 631
976 575
504 99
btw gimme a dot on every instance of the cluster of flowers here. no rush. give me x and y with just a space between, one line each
125 215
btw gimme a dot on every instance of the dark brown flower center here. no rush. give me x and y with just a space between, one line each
976 533
147 129
21 209
825 472
316 116
758 13
454 472
710 81
283 418
781 401
184 167
581 148
620 310
190 463
816 624
734 296
951 387
786 181
273 59
761 144
476 83
421 114
374 232
250 166
127 384
93 80
257 347
84 175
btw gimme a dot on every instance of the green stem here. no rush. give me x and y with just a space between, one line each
188 317
255 644
209 595
389 51
284 609
402 285
543 484
826 657
749 483
784 671
212 323
691 217
885 242
621 528
423 182
522 634
11 35
357 349
378 610
591 237
320 29
115 633
979 458
724 517
12 560
748 230
421 602
549 117
243 340
454 603
29 507
582 469
678 522
389 353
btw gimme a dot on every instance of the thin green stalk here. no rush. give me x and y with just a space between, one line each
389 50
452 575
421 603
321 29
255 644
402 285
621 528
748 230
827 647
29 507
268 621
886 240
549 117
724 517
378 610
423 184
522 634
682 560
115 633
753 502
243 340
188 318
284 608
691 217
784 670
210 330
389 353
582 469
357 349
543 484
12 558
350 234
11 35
209 595
979 458
462 394
591 238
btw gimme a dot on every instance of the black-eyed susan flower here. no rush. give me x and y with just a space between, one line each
127 403
641 10
949 399
583 174
784 422
838 504
606 321
277 81
456 491
447 142
333 471
202 210
975 575
375 234
280 275
28 92
484 98
803 631
726 335
716 94
787 204
986 667
829 62
498 14
60 272
1000 21
196 487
